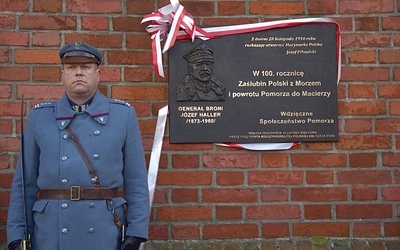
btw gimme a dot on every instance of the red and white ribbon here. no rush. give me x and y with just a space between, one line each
172 18
180 24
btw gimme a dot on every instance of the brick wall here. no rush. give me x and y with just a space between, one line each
347 192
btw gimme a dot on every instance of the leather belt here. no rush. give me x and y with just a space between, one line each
76 193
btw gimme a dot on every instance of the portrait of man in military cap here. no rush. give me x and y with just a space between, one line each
199 84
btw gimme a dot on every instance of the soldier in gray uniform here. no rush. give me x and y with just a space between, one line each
67 208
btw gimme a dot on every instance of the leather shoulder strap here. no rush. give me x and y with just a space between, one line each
84 155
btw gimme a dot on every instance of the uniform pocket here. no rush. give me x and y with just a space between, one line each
39 206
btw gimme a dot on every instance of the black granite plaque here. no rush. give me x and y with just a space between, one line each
276 85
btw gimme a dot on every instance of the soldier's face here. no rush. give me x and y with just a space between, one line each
80 79
201 71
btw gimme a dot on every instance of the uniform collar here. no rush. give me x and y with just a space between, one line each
98 110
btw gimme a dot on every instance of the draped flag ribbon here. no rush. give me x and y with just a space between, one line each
180 24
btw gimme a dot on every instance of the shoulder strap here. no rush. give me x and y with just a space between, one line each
82 151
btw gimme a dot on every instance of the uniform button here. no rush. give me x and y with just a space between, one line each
64 181
95 157
65 137
64 158
91 205
64 231
93 180
97 132
91 230
64 205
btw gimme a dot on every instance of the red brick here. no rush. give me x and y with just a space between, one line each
4 198
147 127
200 8
231 8
6 180
46 39
387 125
363 160
184 178
225 231
4 161
364 194
94 23
183 195
99 6
363 211
389 90
389 56
364 142
47 22
391 193
185 161
109 74
10 108
230 178
139 93
5 91
276 8
274 194
362 56
129 24
275 177
317 212
230 161
228 21
391 23
41 92
14 38
139 7
230 195
392 229
328 229
99 40
366 230
158 232
7 21
138 41
185 232
319 160
365 40
367 74
37 56
394 108
129 57
318 7
176 213
361 6
228 212
367 23
4 56
319 194
361 91
367 177
319 177
358 125
273 212
362 108
138 74
14 5
274 160
47 6
47 74
390 159
275 230
11 144
5 126
318 145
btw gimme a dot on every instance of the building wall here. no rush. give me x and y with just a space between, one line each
343 194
